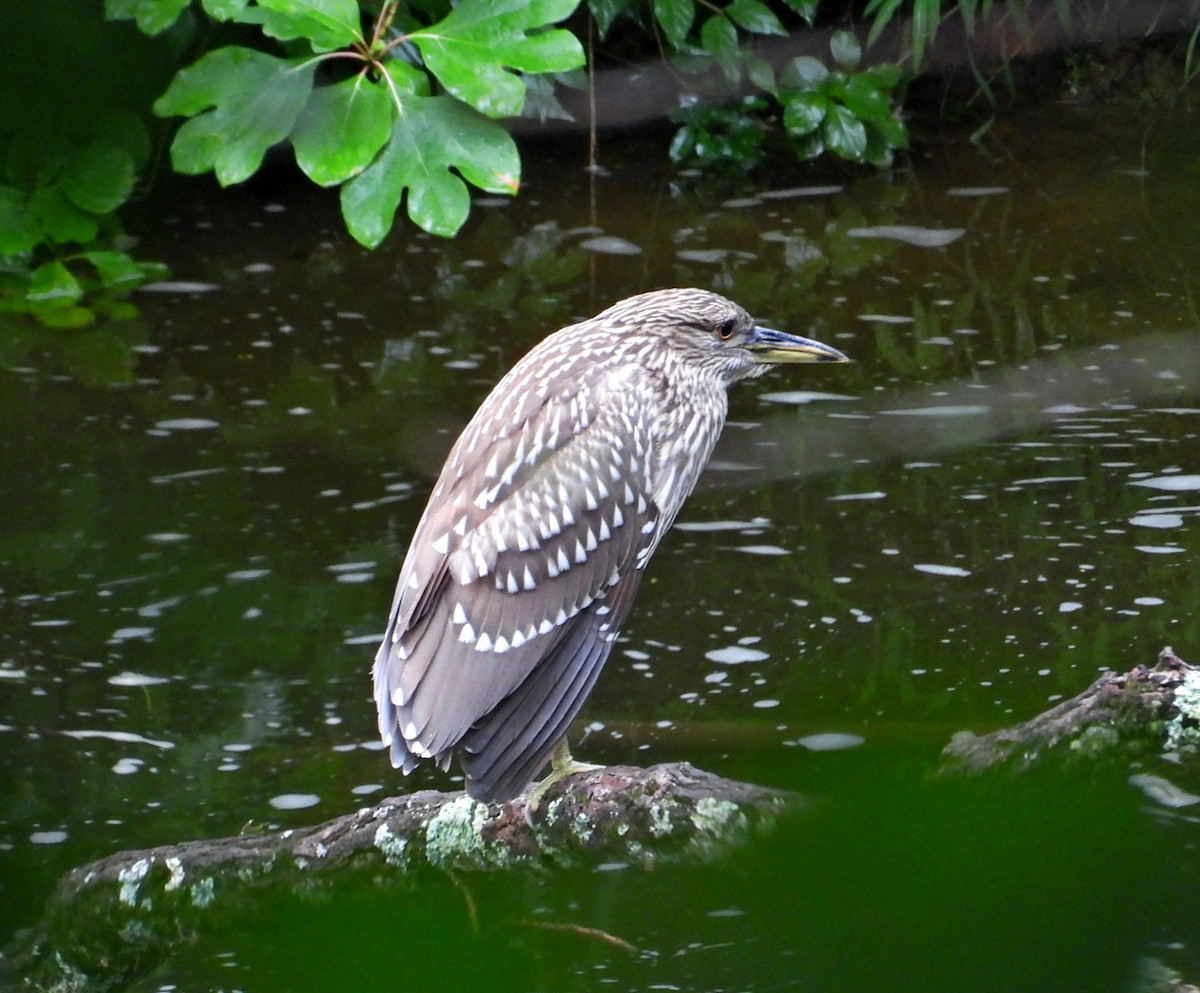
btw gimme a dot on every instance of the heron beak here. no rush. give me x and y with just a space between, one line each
769 345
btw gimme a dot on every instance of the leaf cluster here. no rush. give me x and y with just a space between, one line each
843 110
403 111
839 108
58 193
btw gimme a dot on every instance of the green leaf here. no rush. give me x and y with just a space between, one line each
67 318
430 137
754 16
223 10
471 50
810 146
19 232
719 38
61 221
124 128
924 26
886 74
880 12
847 52
844 133
879 152
604 12
760 73
675 18
803 73
255 100
892 130
864 97
326 24
807 9
152 16
804 112
117 270
342 129
52 283
967 9
99 177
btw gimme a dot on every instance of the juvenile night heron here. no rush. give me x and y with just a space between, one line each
526 560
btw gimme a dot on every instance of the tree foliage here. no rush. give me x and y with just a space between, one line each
396 104
406 112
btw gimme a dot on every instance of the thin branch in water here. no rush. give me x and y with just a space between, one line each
582 931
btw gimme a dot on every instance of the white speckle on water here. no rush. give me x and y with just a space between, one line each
887 318
755 524
798 397
127 634
705 256
941 570
1173 483
727 912
736 655
910 234
800 191
1163 791
128 678
1163 522
1069 607
610 245
178 286
127 766
294 801
364 566
366 789
125 737
948 410
244 574
187 424
832 741
48 837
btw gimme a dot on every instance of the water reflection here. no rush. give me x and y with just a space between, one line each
993 502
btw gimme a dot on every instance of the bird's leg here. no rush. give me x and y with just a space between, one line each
561 766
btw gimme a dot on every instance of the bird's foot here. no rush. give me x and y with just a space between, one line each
562 765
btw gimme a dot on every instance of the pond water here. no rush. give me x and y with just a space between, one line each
997 500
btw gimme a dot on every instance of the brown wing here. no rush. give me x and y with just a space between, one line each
542 515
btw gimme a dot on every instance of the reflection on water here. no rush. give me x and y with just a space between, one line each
996 500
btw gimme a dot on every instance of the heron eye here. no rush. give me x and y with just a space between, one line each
726 328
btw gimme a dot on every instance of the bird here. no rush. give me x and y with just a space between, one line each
526 560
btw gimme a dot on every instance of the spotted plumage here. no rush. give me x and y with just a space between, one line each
526 560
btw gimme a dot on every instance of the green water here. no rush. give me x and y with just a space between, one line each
995 502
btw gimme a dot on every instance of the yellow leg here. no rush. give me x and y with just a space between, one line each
561 766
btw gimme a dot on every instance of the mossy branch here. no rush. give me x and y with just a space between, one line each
112 920
1146 708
